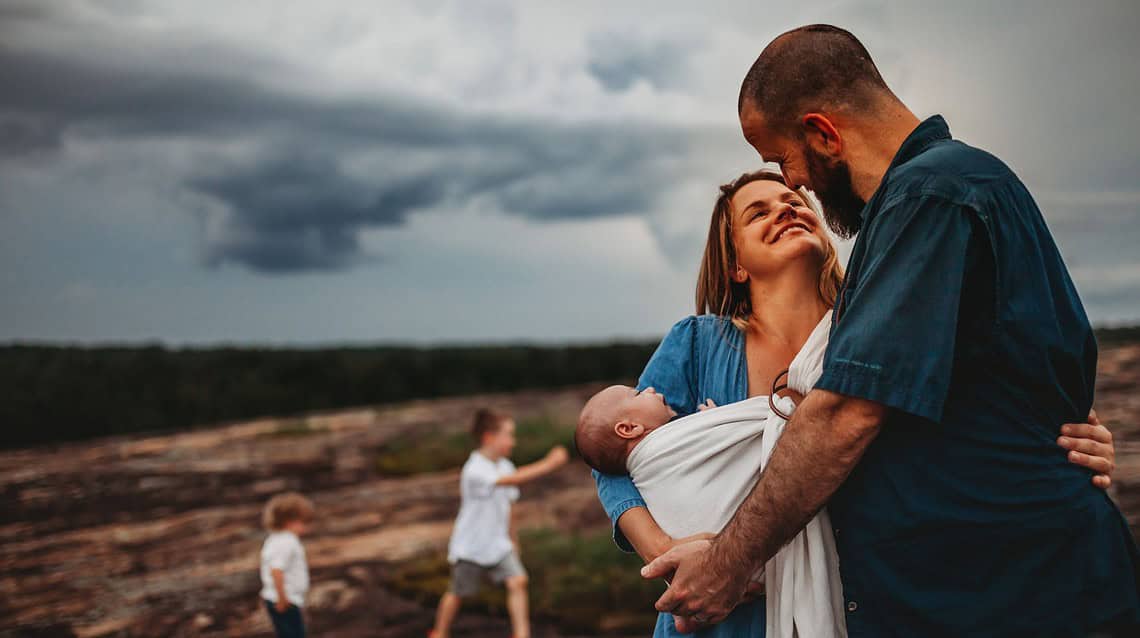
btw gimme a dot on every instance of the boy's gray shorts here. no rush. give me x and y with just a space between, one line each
467 577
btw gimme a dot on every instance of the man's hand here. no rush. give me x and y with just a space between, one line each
707 405
282 605
700 591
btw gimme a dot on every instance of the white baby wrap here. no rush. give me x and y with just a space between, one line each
696 471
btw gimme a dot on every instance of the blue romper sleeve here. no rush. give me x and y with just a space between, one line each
671 372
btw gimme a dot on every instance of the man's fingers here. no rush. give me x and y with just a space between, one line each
1095 463
660 567
1103 481
1093 418
1095 432
668 602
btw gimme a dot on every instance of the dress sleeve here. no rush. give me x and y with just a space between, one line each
671 372
894 337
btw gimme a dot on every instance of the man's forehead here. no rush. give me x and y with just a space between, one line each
756 130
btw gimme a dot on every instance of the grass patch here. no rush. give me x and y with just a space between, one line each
581 582
422 452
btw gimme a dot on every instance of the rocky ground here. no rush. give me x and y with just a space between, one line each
159 536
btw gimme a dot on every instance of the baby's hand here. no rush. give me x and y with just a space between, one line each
707 405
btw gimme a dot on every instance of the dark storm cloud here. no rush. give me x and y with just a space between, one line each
295 204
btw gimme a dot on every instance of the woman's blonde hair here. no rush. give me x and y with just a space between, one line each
717 292
284 509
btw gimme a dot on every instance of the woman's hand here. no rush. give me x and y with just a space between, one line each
1090 445
707 405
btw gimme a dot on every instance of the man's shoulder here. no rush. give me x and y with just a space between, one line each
949 169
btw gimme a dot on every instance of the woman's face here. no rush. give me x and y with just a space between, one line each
772 229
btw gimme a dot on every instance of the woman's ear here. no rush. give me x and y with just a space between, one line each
629 429
740 275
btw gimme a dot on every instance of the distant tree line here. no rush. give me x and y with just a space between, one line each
51 394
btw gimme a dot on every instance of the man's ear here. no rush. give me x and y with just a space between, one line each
629 429
821 135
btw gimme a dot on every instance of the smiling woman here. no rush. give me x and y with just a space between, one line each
761 203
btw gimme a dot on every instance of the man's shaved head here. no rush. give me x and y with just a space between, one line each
814 68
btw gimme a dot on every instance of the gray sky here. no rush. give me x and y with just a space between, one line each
434 171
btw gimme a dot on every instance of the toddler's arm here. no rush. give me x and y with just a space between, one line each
279 584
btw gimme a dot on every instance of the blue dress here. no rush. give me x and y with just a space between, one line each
701 358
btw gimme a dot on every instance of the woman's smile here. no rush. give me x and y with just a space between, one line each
794 227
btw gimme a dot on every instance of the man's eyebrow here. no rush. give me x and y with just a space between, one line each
789 196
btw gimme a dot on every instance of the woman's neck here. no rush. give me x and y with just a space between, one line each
786 307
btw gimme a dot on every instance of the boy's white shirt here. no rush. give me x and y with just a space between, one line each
694 473
482 529
283 550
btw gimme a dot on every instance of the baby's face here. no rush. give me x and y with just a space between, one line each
646 408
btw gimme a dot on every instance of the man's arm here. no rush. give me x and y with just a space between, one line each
826 437
553 460
822 443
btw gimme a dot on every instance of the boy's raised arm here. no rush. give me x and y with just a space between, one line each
554 459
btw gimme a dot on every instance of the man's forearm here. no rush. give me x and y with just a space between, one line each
822 443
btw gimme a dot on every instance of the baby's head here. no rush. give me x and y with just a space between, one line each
614 421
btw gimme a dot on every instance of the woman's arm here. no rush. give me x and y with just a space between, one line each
1090 445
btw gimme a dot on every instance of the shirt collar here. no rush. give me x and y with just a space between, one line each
929 131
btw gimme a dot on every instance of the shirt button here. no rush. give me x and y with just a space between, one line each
852 606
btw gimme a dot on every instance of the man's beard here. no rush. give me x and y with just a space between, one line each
831 183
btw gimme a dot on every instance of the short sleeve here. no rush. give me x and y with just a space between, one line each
672 369
894 337
618 495
479 480
279 554
513 492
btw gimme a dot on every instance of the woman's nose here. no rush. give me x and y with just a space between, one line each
787 211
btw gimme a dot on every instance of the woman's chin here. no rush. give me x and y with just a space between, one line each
799 245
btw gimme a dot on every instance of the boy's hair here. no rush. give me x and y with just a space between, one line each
486 421
284 509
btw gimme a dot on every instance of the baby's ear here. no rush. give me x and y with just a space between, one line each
628 429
